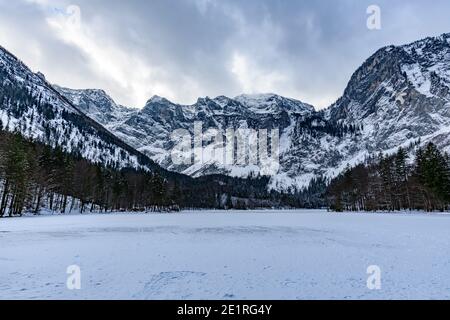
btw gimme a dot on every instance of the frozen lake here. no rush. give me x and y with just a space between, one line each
226 255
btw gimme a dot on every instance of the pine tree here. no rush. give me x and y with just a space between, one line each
432 170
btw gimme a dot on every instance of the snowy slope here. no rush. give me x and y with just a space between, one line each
214 255
399 96
34 108
98 105
150 129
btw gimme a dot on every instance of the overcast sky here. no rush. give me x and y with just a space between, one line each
184 49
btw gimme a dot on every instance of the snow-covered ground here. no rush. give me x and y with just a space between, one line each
232 255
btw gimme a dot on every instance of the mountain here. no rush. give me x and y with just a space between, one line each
53 156
150 129
35 109
399 97
98 105
400 94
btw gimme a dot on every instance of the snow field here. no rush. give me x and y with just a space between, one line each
302 254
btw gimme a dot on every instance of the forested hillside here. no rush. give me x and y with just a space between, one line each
53 156
395 183
35 176
399 95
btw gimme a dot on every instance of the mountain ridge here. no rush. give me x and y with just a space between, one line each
397 98
40 92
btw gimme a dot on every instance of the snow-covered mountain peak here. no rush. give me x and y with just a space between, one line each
430 43
38 111
399 95
157 99
16 73
157 104
398 77
269 103
257 97
98 105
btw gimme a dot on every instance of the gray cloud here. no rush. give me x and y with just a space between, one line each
183 49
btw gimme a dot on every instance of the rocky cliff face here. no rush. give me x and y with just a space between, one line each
397 98
29 105
98 105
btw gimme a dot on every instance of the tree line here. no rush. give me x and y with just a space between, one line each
317 124
50 172
34 176
393 183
